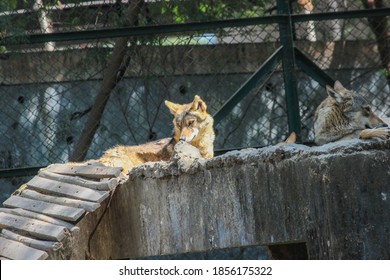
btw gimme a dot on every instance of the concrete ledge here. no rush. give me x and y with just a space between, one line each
335 198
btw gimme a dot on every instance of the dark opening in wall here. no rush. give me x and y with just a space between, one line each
239 253
291 251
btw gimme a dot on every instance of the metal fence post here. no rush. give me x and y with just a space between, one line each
289 76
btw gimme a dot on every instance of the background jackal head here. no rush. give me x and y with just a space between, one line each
193 124
354 107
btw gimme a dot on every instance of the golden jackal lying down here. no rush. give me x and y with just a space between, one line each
191 123
346 115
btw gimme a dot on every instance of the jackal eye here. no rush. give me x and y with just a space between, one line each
367 108
190 123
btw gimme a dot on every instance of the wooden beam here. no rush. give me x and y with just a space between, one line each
31 242
108 185
88 171
65 189
86 205
58 211
18 251
29 214
33 227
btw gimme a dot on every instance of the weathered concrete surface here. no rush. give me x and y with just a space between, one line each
335 198
244 58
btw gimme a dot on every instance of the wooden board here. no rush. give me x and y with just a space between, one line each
18 251
33 227
31 242
66 213
86 205
89 171
29 214
65 189
106 184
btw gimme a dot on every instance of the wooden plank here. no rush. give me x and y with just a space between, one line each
89 171
33 227
31 242
29 214
66 213
18 251
113 182
106 185
86 205
65 189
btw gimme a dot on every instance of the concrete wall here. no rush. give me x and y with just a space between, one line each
45 96
334 198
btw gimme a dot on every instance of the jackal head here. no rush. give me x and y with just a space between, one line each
191 122
354 107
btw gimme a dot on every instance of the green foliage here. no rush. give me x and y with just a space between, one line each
6 5
152 13
8 25
205 10
384 72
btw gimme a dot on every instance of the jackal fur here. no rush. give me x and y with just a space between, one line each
346 115
191 123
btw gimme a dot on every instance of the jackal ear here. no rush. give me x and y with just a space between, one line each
172 107
198 104
338 86
335 94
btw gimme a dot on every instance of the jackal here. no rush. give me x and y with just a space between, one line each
191 124
306 4
345 115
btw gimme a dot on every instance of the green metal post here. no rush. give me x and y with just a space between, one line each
311 69
289 76
243 91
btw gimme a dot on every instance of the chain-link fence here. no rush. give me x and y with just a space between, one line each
60 60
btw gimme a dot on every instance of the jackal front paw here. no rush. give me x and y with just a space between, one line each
382 132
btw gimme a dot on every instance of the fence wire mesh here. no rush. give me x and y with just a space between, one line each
48 90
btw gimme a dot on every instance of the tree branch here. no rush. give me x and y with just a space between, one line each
113 74
379 26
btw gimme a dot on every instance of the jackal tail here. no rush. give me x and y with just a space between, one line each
291 139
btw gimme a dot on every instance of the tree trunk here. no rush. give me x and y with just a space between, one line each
379 26
44 22
113 74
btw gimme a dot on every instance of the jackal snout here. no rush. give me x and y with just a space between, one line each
363 117
375 122
188 134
